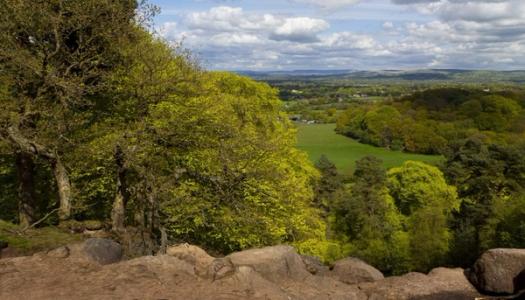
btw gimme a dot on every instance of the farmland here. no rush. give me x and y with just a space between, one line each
321 139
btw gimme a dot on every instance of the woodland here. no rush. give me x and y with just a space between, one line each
104 121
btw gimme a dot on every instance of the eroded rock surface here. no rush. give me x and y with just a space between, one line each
353 270
188 272
499 271
65 273
440 283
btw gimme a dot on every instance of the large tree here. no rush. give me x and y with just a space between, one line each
426 200
55 56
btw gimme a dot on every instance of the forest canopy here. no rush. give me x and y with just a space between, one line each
102 120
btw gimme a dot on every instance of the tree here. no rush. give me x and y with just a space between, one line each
488 176
423 196
329 184
55 56
230 183
368 218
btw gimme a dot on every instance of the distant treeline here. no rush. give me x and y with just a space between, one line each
428 121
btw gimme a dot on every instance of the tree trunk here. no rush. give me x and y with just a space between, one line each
118 213
26 188
64 189
59 170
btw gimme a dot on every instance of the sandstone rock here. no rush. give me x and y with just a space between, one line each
195 256
61 252
275 263
440 283
353 270
154 277
102 251
498 271
218 269
189 253
314 265
248 285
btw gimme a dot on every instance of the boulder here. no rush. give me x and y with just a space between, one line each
440 283
353 270
43 276
275 263
189 253
314 265
195 256
499 271
61 252
102 251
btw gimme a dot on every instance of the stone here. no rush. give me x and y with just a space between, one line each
218 269
61 252
499 271
440 283
190 253
196 257
275 263
314 265
353 270
102 251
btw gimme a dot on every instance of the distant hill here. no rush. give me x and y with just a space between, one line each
455 75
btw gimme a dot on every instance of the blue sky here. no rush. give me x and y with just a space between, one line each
348 34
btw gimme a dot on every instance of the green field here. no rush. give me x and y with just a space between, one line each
321 139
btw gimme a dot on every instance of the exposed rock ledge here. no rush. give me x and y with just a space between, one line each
86 271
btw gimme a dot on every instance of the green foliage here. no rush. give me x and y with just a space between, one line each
241 183
489 178
329 184
510 227
429 121
423 196
367 218
397 220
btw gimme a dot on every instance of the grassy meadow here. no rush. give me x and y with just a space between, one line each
318 139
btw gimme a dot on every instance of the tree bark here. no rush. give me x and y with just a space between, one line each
118 213
26 188
64 188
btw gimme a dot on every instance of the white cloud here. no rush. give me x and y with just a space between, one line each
328 4
233 19
454 34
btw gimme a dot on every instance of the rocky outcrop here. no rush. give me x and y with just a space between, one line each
188 272
275 263
353 270
314 265
268 273
440 283
193 255
500 271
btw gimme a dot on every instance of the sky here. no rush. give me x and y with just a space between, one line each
347 34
